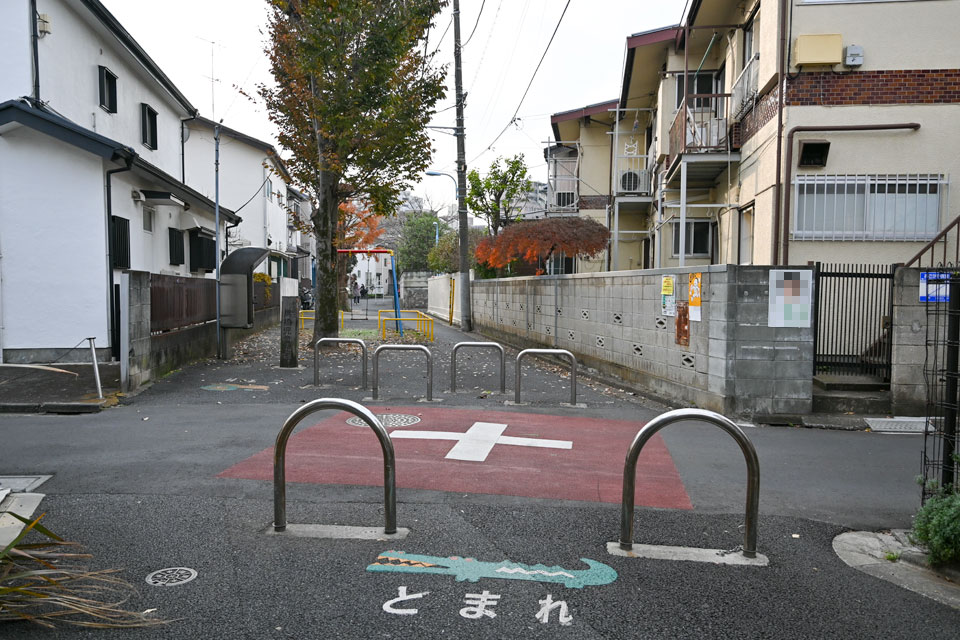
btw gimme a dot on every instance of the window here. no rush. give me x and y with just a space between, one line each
697 240
902 207
148 126
750 31
203 252
268 190
119 242
704 84
148 213
108 90
745 248
176 245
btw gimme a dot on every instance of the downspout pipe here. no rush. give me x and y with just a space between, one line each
114 325
781 90
36 51
789 168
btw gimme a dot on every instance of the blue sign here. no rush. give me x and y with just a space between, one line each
933 291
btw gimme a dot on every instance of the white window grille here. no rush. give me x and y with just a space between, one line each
563 185
881 207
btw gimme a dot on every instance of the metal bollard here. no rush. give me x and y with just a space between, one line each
280 453
491 345
699 415
402 347
555 352
316 357
96 367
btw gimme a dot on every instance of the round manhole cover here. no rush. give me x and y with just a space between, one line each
171 576
389 420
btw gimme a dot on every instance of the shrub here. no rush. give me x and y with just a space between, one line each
937 526
267 281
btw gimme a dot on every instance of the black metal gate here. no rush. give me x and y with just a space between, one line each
852 330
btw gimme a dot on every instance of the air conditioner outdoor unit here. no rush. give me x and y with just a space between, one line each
635 181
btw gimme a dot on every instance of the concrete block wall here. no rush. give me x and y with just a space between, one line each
138 368
908 389
414 289
734 364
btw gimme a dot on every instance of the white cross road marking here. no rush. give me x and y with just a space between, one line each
476 443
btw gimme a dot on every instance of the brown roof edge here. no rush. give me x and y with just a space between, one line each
583 112
664 34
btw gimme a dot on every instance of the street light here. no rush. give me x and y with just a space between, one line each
436 231
456 187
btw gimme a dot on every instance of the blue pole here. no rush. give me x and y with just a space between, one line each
396 293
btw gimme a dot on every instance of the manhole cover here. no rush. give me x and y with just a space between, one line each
171 576
389 420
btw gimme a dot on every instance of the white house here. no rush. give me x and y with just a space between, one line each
91 178
253 180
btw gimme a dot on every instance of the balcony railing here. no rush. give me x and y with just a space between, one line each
563 185
631 175
745 89
701 124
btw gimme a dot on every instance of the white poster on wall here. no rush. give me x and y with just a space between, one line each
668 295
791 298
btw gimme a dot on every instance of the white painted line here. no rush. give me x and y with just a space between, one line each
690 554
478 441
338 532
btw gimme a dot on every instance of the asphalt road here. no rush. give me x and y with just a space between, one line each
138 485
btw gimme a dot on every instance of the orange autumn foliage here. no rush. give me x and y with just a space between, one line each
539 239
360 227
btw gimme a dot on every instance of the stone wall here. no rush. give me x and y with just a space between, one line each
138 356
734 363
908 390
414 289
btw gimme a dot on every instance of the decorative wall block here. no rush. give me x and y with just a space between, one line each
571 335
661 323
617 318
538 308
549 330
521 306
529 326
506 305
559 311
638 350
600 342
585 314
688 361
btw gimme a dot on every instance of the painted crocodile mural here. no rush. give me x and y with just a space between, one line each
471 569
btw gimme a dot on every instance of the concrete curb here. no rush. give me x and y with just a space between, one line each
52 407
22 504
867 551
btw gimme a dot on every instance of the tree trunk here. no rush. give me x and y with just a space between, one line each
326 324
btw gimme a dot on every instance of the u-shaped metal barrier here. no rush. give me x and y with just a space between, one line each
698 415
490 345
316 357
280 455
402 347
554 352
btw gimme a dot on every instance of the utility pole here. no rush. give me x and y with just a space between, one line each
466 315
216 216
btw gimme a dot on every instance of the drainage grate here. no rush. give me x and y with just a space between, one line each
389 420
171 577
896 425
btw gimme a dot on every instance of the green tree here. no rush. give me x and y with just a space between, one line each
445 257
416 241
496 196
354 90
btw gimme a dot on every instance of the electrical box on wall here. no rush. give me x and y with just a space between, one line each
820 48
853 55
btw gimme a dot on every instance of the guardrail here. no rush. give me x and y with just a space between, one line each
424 323
316 357
491 345
280 454
401 347
554 352
699 415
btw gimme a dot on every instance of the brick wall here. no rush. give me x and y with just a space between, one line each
911 86
593 202
734 363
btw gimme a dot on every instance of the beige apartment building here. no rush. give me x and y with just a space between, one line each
864 95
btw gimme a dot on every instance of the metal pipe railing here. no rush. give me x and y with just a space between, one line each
401 347
553 352
316 357
280 455
96 367
491 345
698 415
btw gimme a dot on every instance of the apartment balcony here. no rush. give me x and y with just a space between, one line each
563 183
745 89
700 137
632 175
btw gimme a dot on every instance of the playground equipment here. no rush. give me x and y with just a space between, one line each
424 322
393 270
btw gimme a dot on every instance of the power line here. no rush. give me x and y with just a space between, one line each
513 118
482 4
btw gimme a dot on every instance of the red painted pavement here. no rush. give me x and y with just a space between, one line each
333 452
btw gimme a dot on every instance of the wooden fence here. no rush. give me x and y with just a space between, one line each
177 301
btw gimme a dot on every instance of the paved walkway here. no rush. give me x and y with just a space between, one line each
181 476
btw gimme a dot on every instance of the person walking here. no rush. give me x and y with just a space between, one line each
356 292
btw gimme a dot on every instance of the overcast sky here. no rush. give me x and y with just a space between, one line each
583 66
